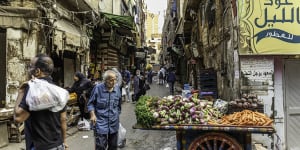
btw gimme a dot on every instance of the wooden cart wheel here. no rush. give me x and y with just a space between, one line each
215 141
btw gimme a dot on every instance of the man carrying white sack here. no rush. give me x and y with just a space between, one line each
47 127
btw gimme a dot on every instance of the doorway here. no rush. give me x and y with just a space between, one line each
2 67
292 103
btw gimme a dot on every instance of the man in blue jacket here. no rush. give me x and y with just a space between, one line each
171 78
105 107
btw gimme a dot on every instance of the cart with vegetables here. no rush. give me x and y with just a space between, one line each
201 124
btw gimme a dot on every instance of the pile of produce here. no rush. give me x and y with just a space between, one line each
245 118
174 110
247 101
143 113
73 96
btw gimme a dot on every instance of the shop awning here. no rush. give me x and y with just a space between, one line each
118 21
124 24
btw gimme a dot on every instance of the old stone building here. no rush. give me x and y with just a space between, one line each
57 28
203 34
79 36
118 36
246 54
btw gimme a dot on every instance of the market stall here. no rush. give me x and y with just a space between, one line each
201 124
10 130
72 110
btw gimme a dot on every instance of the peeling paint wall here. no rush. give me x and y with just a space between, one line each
20 48
216 45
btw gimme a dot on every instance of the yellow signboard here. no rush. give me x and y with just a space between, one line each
269 27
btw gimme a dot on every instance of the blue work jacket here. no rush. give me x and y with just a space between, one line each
107 108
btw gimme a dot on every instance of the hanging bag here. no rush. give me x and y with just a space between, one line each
121 136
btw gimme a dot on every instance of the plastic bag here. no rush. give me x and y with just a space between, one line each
167 85
221 105
121 136
44 95
84 125
123 91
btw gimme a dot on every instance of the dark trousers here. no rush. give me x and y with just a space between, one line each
171 87
82 108
103 141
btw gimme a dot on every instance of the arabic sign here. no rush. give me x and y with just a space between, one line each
257 75
269 27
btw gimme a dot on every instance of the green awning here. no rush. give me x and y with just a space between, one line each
125 22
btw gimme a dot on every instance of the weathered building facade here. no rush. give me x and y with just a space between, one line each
247 53
89 36
153 37
57 28
117 36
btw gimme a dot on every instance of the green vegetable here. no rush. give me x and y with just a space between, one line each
143 113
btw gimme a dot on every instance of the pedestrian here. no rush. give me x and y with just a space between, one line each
171 78
149 76
105 107
160 77
47 129
126 79
142 84
119 79
165 75
82 87
137 85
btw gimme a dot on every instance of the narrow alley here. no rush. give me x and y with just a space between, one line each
135 139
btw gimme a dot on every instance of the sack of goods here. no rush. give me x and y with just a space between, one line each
43 95
121 136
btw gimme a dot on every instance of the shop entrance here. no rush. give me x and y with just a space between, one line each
292 103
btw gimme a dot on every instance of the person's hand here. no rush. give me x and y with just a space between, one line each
66 145
93 119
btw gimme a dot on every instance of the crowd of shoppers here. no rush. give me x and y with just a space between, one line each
100 103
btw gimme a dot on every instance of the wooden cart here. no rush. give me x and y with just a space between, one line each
213 137
15 131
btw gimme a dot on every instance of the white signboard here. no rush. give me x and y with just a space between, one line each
257 75
140 54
